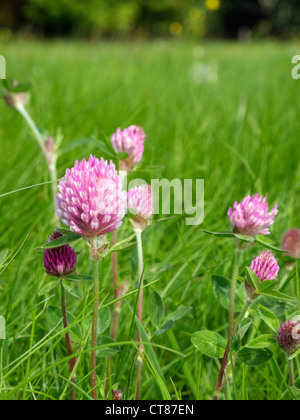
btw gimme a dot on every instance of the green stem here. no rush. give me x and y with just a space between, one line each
292 373
50 158
233 290
72 362
123 180
219 385
32 126
95 323
138 234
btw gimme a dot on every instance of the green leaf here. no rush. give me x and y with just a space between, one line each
262 342
63 240
278 295
155 308
54 316
72 288
294 355
267 285
79 277
179 313
294 315
266 244
295 392
2 328
109 351
252 278
8 84
47 287
236 344
102 324
105 145
166 327
244 327
22 87
244 238
124 244
269 318
122 155
226 234
210 343
222 291
254 357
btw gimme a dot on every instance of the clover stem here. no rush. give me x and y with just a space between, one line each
233 290
138 234
219 385
72 362
95 261
292 373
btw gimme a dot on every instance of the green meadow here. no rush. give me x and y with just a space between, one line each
227 113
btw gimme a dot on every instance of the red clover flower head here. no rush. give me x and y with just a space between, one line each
291 243
90 199
265 266
130 141
251 217
140 201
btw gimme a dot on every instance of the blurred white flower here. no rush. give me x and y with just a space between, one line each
202 72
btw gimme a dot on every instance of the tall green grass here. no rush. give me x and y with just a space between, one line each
240 133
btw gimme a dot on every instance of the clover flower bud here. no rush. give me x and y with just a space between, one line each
289 337
266 267
61 261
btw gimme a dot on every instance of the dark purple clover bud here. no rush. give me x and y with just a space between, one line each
59 262
117 395
289 337
291 243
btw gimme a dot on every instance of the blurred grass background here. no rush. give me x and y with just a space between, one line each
224 112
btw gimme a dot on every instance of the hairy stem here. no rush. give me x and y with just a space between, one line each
292 373
233 291
95 323
138 234
72 362
115 279
219 385
123 180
